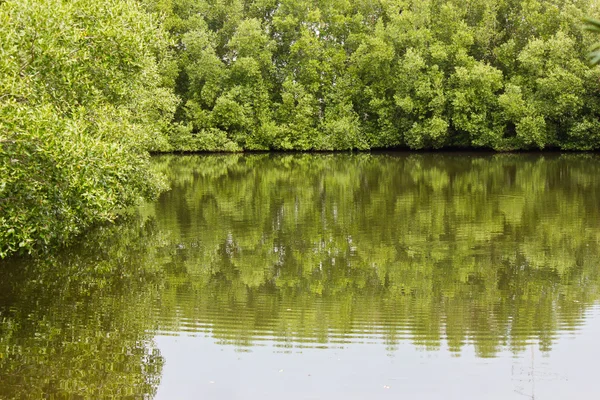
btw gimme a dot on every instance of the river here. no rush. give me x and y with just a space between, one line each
312 276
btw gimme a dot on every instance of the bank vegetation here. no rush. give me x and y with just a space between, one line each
88 89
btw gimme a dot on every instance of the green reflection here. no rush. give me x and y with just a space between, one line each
75 326
442 250
497 250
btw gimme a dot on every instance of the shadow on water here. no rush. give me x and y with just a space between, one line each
295 251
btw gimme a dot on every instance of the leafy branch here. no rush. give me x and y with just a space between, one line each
593 25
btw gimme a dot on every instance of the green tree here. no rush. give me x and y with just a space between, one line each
81 102
593 25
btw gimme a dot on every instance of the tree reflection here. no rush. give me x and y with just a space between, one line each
77 325
497 250
441 250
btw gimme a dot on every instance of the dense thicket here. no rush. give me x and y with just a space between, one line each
340 74
81 100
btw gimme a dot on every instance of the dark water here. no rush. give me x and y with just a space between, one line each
323 276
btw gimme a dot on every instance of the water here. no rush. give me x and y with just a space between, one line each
428 276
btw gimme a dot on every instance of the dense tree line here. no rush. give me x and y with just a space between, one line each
339 74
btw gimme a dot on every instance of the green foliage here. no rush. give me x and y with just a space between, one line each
334 74
86 89
593 25
81 102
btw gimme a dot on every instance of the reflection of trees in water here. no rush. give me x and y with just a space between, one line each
310 250
75 325
494 250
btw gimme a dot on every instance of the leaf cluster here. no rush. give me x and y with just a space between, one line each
81 101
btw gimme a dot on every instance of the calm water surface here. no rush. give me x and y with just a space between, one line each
425 276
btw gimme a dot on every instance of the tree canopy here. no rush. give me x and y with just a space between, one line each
338 74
